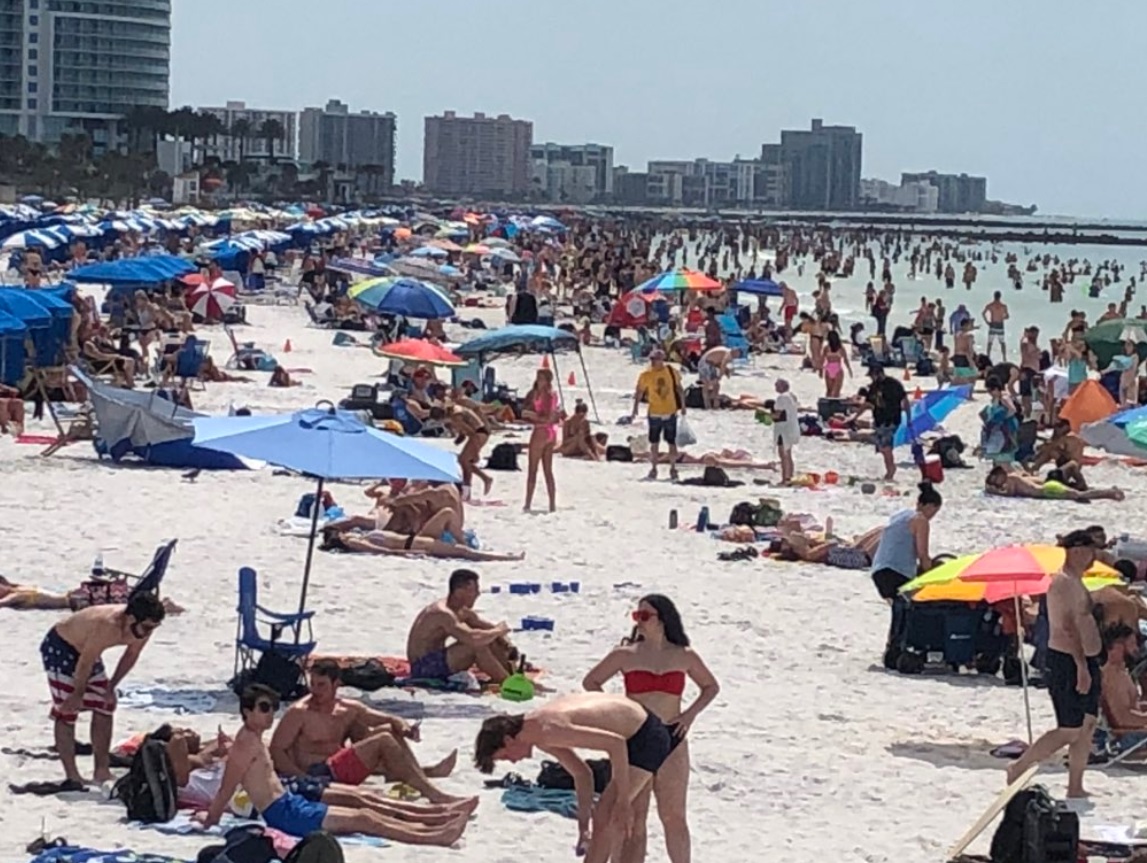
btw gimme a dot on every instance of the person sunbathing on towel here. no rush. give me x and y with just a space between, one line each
726 458
795 544
414 509
26 597
385 542
475 641
636 741
249 766
1001 483
337 739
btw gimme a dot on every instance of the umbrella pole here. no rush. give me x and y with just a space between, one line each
1023 661
588 386
557 377
315 509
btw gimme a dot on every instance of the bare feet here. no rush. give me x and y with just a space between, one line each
1077 794
444 767
100 777
487 484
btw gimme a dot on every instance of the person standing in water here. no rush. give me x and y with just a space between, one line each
1073 669
995 314
543 411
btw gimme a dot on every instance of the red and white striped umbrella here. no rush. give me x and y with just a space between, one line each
212 301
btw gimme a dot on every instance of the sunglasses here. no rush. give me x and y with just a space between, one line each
264 707
642 616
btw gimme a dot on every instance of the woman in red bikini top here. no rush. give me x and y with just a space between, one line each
654 662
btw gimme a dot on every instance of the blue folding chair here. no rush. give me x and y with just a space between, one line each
733 335
189 360
259 659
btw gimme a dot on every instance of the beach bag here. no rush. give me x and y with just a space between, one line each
685 435
554 776
743 513
694 398
367 676
1009 840
503 457
148 790
280 673
246 844
618 452
317 847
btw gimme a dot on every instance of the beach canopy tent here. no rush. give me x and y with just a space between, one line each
758 287
47 324
1113 434
1090 403
1106 339
520 339
146 270
326 444
12 355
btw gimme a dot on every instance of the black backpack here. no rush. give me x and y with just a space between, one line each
553 775
1035 829
148 790
503 457
246 844
317 847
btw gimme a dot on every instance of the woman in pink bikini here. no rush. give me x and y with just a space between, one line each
834 362
654 662
543 411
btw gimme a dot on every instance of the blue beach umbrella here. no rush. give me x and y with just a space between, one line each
404 296
929 412
325 444
429 252
758 287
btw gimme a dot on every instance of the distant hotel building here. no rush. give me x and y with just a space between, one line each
359 144
573 173
254 146
820 166
912 196
479 156
958 193
81 65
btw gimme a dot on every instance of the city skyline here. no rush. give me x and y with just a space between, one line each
972 88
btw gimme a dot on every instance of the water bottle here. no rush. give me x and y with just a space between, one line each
703 520
98 566
673 519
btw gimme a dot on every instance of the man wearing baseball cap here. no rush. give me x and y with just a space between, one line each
889 402
661 384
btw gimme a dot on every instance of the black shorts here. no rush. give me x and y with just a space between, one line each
663 427
1070 706
1026 389
652 744
888 582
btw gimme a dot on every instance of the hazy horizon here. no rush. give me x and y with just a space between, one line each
981 89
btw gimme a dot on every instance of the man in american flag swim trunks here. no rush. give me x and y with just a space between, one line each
77 680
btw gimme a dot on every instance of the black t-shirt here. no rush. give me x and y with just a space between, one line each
887 399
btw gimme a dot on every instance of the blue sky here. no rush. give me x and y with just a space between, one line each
1029 93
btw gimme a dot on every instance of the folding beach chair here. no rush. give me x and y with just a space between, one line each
734 336
116 586
469 373
276 661
908 351
189 360
245 355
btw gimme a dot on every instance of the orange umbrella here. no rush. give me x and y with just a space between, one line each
420 351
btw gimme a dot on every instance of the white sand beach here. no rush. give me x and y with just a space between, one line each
811 752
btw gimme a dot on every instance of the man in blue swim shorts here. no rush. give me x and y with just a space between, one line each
475 641
249 767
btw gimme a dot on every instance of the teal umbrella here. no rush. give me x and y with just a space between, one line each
1106 339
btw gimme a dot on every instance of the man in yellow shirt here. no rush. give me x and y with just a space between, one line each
662 385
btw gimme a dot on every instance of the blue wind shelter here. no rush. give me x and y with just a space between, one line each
12 354
146 270
19 304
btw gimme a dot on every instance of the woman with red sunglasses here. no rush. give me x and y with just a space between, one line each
654 663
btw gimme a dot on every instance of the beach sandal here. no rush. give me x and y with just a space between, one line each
46 789
42 843
745 553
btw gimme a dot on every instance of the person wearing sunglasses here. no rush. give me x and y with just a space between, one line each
654 663
301 811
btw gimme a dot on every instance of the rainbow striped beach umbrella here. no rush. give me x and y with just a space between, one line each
683 279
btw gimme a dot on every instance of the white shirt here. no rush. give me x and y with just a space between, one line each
789 428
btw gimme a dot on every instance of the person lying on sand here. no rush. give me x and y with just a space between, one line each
198 772
1001 483
636 741
385 542
795 544
475 641
412 508
27 597
249 767
725 458
336 739
72 654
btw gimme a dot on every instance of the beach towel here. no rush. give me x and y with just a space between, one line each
80 854
185 702
399 667
520 798
183 825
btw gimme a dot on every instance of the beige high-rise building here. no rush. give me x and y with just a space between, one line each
479 155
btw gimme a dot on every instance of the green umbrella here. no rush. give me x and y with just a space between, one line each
1106 339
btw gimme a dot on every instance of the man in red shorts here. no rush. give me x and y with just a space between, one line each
340 740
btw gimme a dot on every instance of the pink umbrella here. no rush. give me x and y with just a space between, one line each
212 301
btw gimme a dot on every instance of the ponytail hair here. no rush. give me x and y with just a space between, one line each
928 495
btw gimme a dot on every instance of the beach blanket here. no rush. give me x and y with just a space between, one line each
185 702
79 854
183 825
399 667
520 798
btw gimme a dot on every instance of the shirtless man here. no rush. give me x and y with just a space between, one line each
72 654
1030 375
1125 713
789 304
340 740
476 641
473 434
995 314
963 347
636 741
1001 483
1073 674
249 765
1065 450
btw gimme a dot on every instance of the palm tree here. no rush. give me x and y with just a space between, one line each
210 126
240 132
272 130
